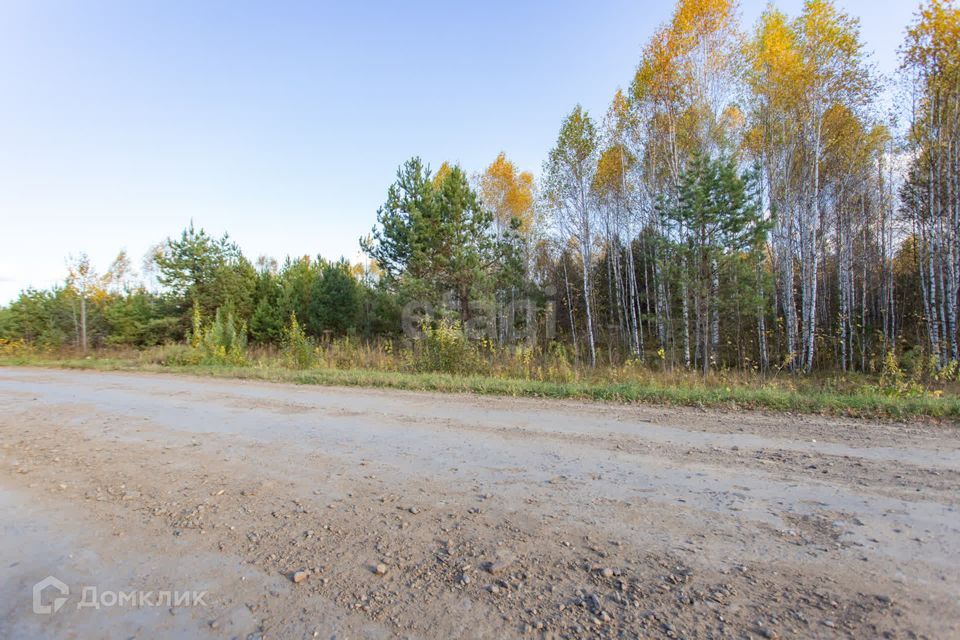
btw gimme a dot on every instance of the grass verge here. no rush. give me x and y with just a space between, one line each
863 404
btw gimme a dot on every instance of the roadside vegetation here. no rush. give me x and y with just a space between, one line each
438 364
742 227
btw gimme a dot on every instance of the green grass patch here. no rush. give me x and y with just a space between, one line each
770 396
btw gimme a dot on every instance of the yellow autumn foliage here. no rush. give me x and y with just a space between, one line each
508 192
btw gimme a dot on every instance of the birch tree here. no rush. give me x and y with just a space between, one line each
569 170
931 60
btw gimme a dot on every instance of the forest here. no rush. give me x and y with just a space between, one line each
757 198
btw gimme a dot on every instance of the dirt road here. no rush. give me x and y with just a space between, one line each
318 512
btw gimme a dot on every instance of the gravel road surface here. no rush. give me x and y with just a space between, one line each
289 512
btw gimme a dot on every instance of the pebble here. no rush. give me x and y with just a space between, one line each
381 569
593 602
300 576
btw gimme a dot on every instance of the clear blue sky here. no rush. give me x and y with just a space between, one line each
284 122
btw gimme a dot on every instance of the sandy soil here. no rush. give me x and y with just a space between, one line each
488 517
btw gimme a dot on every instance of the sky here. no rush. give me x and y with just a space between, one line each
284 122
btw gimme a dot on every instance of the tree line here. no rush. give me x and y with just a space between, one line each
746 201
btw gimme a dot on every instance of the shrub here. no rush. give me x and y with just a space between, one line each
10 348
220 343
557 364
893 381
948 372
891 375
298 350
446 348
